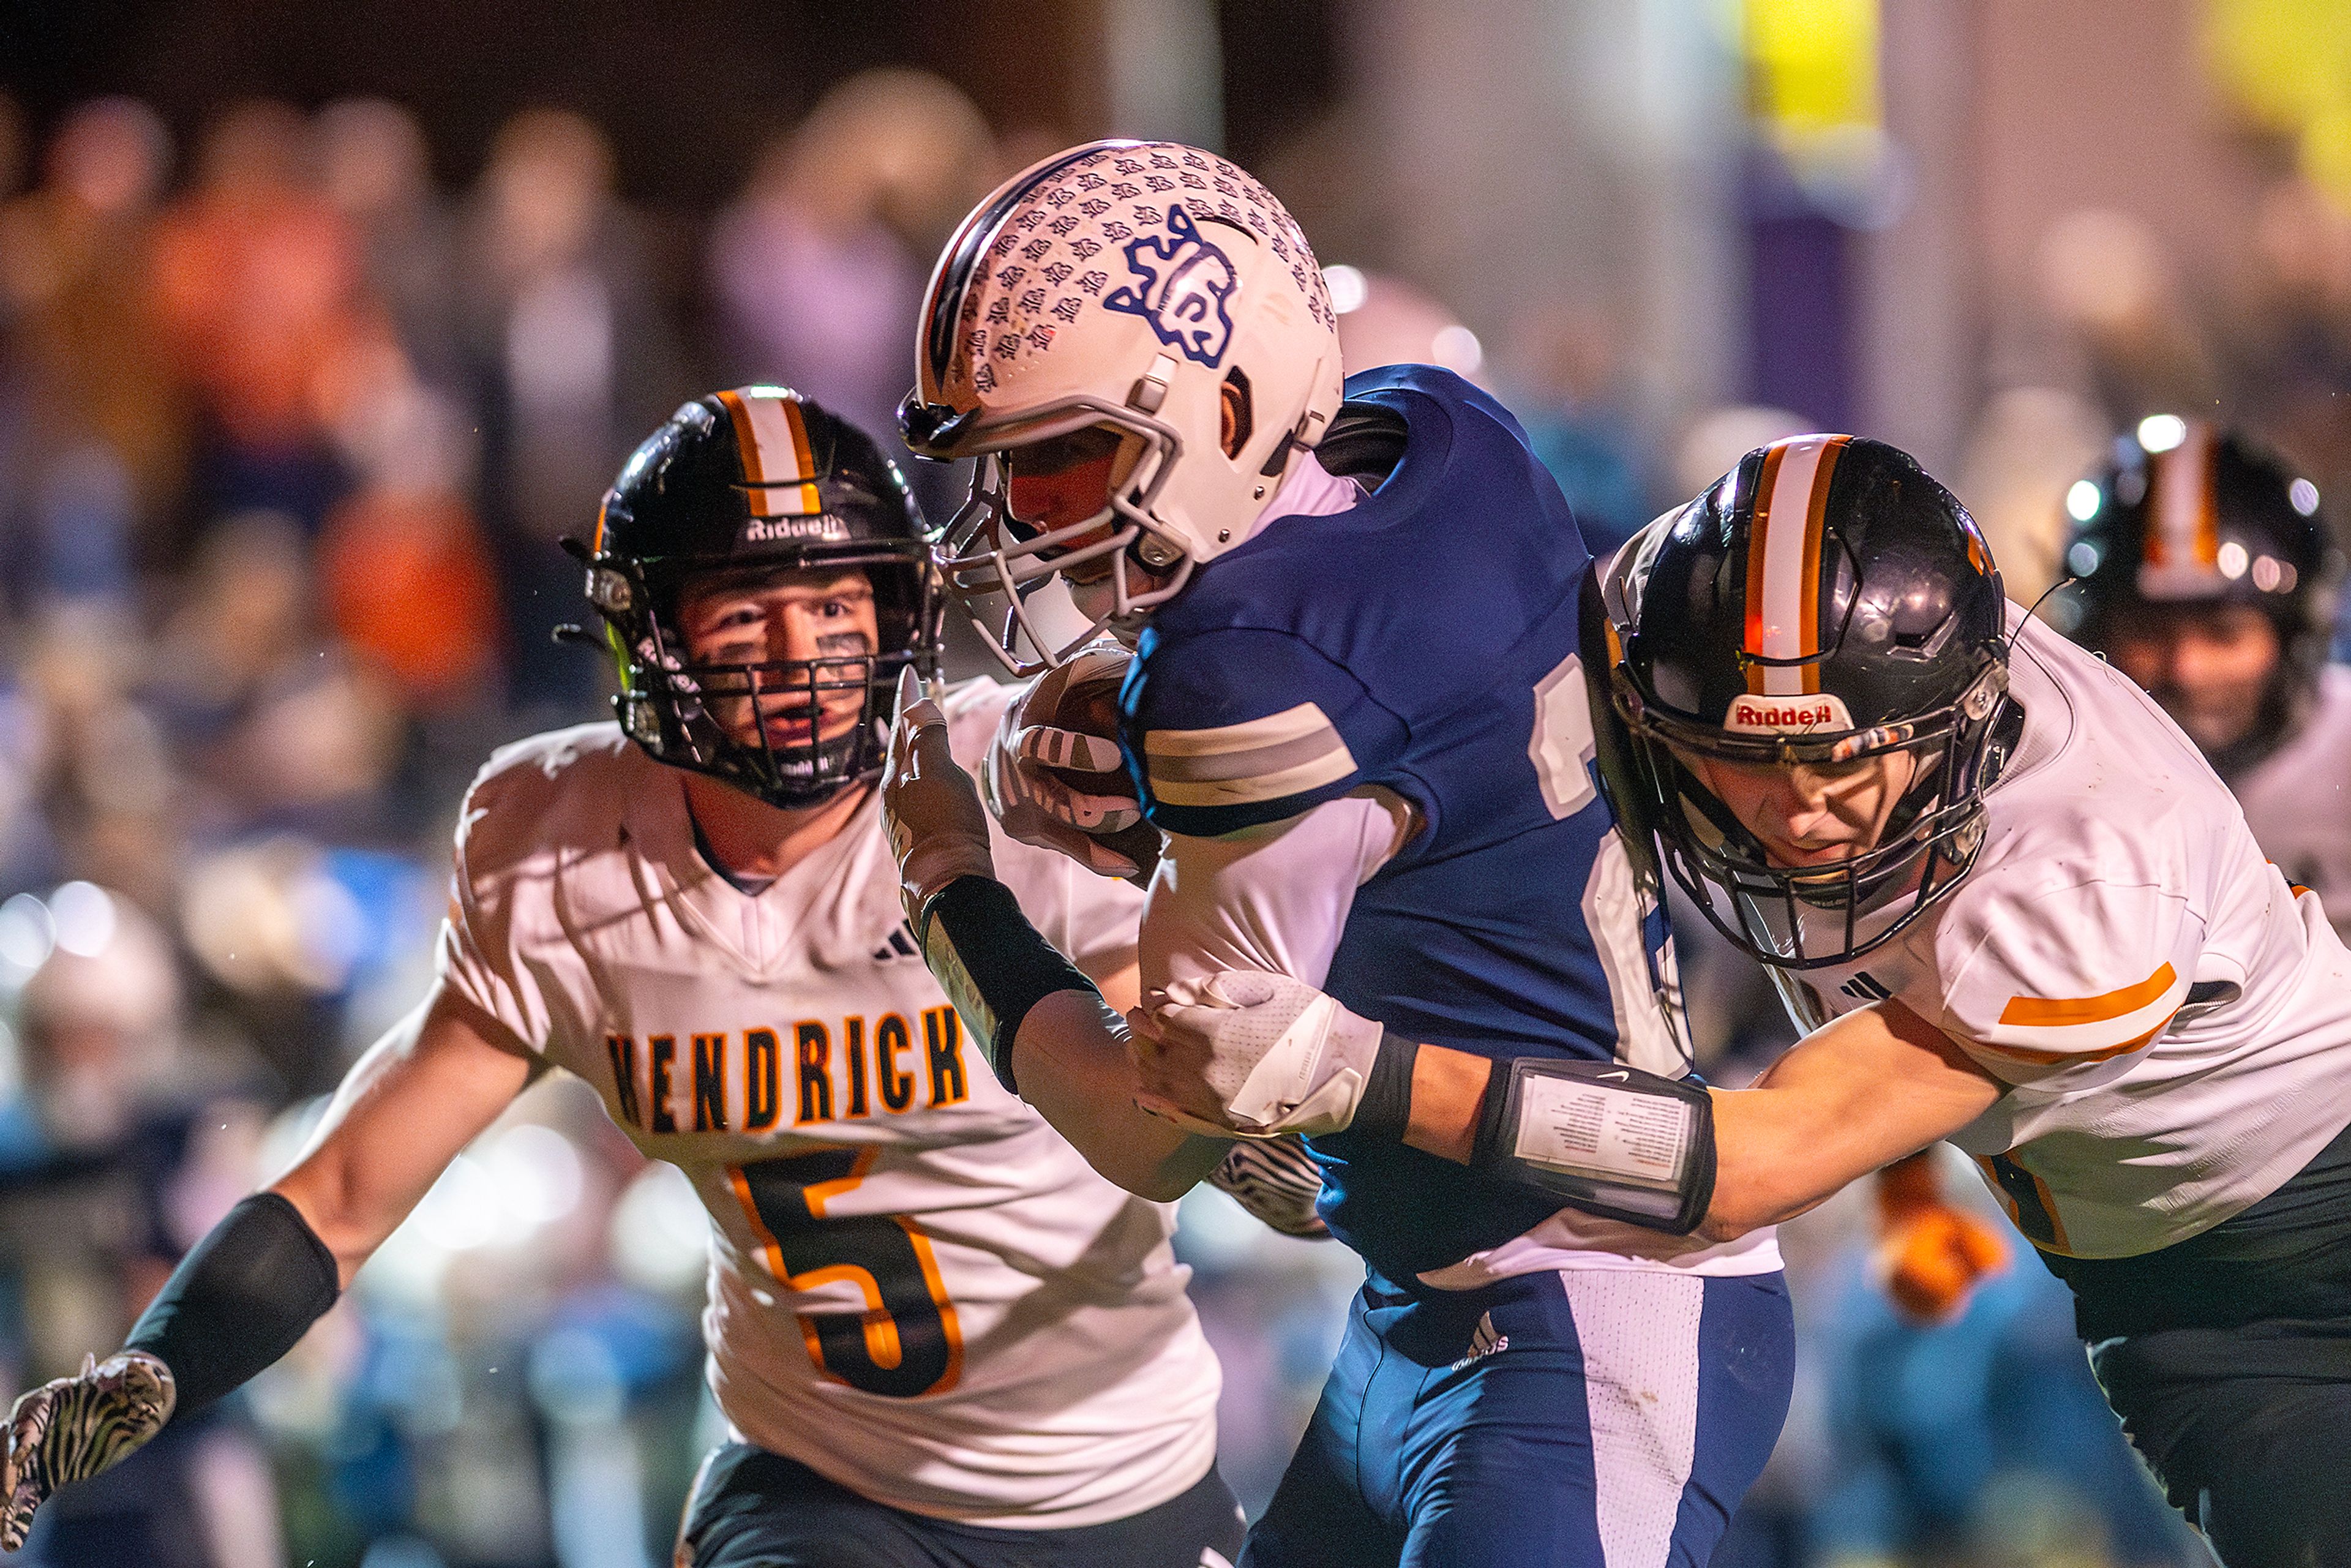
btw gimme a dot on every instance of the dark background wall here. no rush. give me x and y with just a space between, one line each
688 89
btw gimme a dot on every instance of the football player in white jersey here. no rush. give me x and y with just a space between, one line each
2207 575
2023 915
937 1335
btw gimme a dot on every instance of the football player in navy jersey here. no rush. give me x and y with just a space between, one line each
1357 714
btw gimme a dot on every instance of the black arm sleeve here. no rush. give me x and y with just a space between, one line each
240 1299
992 963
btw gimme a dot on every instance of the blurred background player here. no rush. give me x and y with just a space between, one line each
1357 715
935 1335
137 1145
2207 575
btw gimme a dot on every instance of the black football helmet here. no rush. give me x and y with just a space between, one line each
1823 603
2204 515
758 479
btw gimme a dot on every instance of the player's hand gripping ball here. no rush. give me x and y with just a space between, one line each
938 829
1054 777
70 1429
1252 1055
1931 1254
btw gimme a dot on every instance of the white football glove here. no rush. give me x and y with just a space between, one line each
938 831
1066 721
1251 1054
71 1428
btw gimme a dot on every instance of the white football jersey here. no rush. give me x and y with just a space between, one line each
2298 800
2171 1015
917 1289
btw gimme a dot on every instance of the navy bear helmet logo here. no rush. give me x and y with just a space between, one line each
1184 286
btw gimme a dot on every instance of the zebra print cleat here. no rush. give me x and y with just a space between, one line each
71 1428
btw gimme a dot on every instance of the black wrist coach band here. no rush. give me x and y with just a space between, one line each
1601 1136
992 963
238 1300
1385 1110
1490 1115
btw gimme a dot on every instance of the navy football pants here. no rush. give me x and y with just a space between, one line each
1588 1418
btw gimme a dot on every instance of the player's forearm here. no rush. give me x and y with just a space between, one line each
1780 1155
407 1107
1876 1086
1049 1038
1070 1061
1873 1087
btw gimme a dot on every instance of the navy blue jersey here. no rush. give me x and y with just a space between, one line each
1426 640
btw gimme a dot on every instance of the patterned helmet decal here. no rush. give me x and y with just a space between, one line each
1130 228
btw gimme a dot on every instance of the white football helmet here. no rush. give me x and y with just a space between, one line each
1123 284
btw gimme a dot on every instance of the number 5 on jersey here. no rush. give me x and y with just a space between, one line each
906 1342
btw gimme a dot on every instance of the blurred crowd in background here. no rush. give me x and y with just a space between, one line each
289 431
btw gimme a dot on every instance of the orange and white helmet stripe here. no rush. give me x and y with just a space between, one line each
2183 506
772 437
1784 565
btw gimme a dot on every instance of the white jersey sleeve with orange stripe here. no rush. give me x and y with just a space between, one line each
2058 962
2171 1016
917 1289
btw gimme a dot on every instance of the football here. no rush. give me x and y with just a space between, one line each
1085 701
1087 707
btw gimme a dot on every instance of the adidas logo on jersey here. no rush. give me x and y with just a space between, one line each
900 945
1862 989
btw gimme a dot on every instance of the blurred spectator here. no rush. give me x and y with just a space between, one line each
87 783
258 286
1572 400
407 578
100 428
2029 444
279 725
1385 320
138 1147
375 169
575 359
2290 345
816 267
1719 438
2111 287
1979 1441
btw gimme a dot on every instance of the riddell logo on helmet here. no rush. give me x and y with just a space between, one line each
774 531
1771 714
